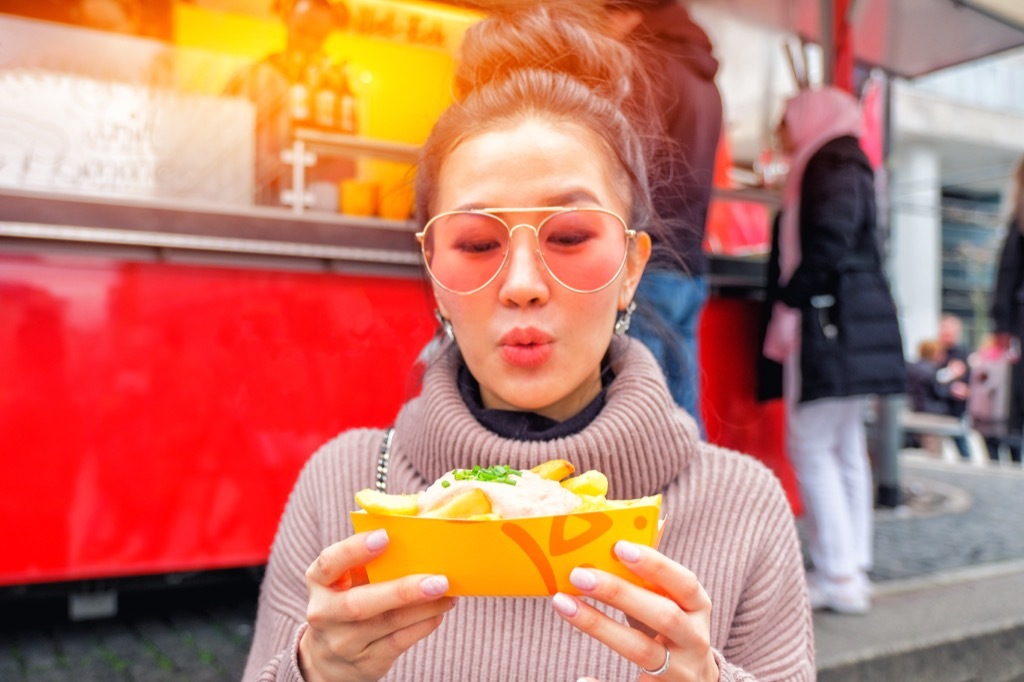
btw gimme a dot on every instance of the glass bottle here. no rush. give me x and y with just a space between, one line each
348 115
298 93
325 98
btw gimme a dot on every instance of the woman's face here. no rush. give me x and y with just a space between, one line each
531 343
309 24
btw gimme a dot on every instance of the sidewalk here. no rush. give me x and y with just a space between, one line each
949 581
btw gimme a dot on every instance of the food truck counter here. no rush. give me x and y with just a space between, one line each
168 225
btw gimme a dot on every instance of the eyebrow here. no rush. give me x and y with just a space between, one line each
569 198
575 196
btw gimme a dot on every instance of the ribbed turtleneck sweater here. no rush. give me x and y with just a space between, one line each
726 519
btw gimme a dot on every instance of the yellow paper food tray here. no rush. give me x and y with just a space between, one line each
508 557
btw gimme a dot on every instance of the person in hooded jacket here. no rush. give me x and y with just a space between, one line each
833 326
680 66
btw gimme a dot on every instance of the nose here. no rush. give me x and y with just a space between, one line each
525 279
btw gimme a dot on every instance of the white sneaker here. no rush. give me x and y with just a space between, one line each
866 584
848 597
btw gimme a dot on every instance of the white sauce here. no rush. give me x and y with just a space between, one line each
530 496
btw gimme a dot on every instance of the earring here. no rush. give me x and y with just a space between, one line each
624 319
446 326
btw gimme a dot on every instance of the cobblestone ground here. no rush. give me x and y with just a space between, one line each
198 635
973 518
955 515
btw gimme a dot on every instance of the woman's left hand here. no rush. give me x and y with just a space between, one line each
672 605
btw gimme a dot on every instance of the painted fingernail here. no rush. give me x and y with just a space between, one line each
627 551
434 585
564 604
583 578
378 539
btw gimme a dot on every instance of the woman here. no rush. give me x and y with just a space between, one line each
538 365
1008 309
926 390
833 326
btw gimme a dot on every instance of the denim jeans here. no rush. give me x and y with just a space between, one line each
676 301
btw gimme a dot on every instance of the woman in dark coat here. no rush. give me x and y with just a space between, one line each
833 327
1008 309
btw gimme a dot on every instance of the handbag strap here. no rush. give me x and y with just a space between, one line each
382 460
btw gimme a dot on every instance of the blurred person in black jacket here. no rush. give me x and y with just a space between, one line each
1007 309
833 326
951 330
925 391
681 68
933 386
955 373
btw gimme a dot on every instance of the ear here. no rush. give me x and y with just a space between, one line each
636 261
438 303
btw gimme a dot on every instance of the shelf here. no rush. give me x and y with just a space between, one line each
357 146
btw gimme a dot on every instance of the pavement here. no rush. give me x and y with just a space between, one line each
186 632
948 604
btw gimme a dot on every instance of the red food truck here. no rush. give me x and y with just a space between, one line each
171 352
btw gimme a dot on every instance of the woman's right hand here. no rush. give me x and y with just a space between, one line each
357 630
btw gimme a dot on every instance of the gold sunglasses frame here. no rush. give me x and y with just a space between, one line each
630 234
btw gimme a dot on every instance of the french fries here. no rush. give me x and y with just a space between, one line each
473 504
377 502
467 503
554 469
588 483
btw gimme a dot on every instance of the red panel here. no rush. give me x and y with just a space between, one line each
154 417
842 46
729 333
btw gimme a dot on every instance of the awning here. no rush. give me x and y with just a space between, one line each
1008 11
907 38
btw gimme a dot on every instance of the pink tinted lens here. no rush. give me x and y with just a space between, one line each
584 249
464 251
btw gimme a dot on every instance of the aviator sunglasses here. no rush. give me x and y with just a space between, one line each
584 249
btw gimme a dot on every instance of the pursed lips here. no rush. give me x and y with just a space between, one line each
524 336
525 347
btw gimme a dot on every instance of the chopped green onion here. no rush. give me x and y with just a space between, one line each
499 473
